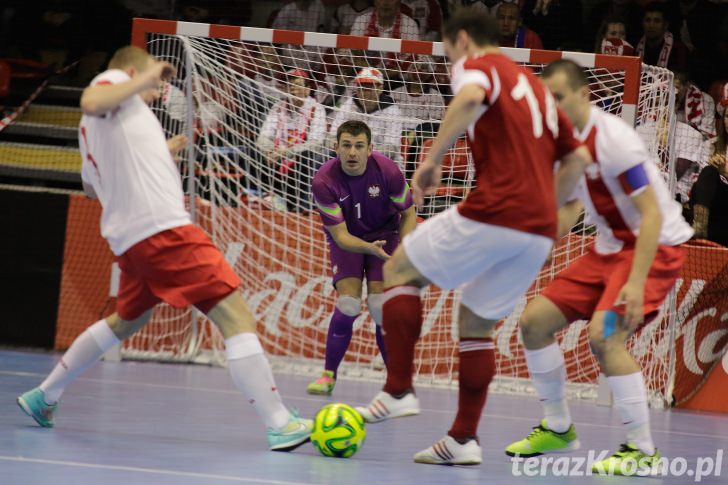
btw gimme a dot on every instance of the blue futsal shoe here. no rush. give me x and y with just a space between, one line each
295 433
34 404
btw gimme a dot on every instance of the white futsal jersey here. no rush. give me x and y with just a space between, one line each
605 192
127 162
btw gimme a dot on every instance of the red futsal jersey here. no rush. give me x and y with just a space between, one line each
515 141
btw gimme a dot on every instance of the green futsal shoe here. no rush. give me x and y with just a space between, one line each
629 461
34 405
324 385
295 433
543 440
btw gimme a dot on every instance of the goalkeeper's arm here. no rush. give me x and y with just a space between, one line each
348 242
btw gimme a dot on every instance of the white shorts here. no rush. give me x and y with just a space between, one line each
494 265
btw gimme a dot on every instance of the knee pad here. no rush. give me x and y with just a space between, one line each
349 305
374 303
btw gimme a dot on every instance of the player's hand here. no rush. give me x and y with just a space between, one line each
378 251
176 144
159 72
632 296
425 180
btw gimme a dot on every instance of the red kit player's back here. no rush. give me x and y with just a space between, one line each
515 143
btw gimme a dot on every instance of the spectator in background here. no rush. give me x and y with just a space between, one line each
695 132
386 20
428 15
606 85
486 6
290 142
337 89
374 107
658 46
512 31
345 15
421 105
304 15
627 10
268 69
416 99
710 192
612 38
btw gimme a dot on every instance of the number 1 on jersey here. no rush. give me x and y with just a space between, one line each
358 210
522 90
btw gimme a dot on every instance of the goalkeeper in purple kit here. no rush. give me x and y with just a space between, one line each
366 207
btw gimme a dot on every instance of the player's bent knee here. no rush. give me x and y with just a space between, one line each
124 329
472 325
533 330
597 344
349 305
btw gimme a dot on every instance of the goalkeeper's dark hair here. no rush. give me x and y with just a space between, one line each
354 128
574 73
481 27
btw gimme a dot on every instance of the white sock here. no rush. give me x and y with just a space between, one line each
630 398
82 354
548 373
252 376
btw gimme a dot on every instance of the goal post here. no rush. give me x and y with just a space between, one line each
259 214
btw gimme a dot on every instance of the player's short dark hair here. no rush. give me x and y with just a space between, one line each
354 128
574 72
481 27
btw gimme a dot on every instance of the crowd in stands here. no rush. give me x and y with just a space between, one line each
304 94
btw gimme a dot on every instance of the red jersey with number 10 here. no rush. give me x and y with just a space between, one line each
515 141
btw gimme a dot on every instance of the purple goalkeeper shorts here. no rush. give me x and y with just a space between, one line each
345 264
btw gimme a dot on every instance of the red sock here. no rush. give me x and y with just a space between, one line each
477 367
401 322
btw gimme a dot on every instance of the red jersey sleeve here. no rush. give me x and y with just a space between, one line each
473 71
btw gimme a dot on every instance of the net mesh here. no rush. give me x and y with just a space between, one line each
257 139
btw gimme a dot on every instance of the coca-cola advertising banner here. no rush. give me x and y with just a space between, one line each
282 259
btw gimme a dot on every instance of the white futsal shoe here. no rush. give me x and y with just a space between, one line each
447 451
385 406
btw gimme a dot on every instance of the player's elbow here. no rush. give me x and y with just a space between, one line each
89 106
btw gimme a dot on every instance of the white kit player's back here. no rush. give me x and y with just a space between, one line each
146 195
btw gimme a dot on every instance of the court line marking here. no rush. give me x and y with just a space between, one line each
318 400
154 471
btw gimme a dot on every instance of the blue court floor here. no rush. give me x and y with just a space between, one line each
146 423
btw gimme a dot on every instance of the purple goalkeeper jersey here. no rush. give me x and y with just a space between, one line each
369 203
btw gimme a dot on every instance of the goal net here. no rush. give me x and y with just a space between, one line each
258 129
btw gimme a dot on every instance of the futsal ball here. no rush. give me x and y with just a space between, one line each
338 430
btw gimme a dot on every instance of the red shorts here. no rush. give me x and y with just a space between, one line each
593 282
179 266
